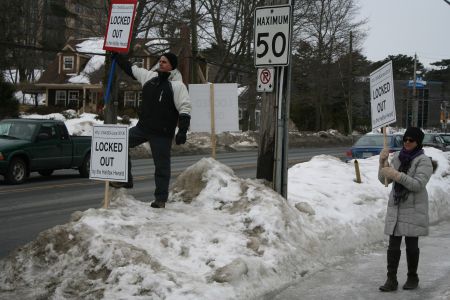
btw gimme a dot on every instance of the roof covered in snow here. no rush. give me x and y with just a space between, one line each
88 62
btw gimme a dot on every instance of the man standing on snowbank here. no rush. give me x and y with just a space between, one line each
165 103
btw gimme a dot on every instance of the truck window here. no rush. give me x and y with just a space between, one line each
49 130
64 134
19 130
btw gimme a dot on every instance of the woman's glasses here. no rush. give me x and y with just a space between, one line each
409 140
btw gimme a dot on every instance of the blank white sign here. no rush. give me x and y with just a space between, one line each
225 107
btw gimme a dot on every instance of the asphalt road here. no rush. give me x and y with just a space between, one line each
43 202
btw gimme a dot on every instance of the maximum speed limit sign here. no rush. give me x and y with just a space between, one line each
272 35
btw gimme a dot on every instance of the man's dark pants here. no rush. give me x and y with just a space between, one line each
160 146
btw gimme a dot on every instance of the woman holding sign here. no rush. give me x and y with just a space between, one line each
165 104
407 211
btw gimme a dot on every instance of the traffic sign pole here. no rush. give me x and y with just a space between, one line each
278 178
273 33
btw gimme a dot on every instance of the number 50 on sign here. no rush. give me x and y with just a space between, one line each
272 35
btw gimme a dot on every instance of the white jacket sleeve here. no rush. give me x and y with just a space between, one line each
181 97
143 75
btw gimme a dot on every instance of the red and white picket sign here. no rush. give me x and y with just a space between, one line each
120 25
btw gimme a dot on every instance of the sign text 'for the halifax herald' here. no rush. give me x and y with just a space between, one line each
382 96
109 153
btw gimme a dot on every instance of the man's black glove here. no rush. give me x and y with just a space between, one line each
183 126
123 63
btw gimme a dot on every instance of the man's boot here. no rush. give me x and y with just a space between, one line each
158 204
412 257
393 258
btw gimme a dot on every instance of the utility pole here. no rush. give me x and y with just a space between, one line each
350 79
110 104
194 42
415 105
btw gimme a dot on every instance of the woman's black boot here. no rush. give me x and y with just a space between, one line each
393 258
412 257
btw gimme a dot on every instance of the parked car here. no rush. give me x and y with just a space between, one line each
435 140
29 145
446 138
371 144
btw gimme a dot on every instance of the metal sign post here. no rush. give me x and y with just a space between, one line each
273 33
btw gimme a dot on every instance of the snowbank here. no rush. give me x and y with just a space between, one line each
220 237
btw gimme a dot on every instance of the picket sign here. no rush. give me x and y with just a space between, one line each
109 155
382 100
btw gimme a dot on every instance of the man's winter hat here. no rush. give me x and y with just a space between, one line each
415 133
172 58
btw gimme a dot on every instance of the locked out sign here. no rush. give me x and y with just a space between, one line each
120 25
109 153
272 35
382 96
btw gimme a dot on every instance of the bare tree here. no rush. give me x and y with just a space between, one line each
19 28
326 27
228 27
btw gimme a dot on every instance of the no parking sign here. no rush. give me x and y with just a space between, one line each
265 80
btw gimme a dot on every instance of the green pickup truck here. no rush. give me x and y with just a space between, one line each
31 145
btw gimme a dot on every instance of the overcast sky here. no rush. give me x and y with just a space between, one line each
407 27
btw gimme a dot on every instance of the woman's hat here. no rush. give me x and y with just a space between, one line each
415 133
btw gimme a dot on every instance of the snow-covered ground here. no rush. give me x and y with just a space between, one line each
220 236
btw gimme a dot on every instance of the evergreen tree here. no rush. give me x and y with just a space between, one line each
9 106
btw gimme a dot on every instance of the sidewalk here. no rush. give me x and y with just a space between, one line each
361 277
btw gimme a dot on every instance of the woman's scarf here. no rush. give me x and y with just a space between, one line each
406 157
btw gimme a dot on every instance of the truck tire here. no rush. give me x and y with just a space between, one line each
85 167
46 172
17 171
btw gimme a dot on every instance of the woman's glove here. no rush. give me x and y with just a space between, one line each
384 155
183 126
391 173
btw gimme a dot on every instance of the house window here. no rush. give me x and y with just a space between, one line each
60 98
139 98
74 98
240 114
130 99
138 62
94 97
68 63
